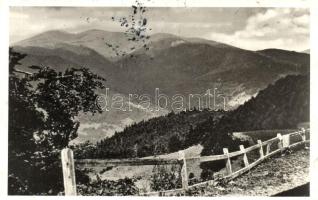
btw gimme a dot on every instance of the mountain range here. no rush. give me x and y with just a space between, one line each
175 65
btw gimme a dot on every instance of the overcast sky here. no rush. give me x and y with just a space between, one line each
249 28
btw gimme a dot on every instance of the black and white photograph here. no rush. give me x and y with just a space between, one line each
144 100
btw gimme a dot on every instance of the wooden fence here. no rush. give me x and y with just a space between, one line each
266 149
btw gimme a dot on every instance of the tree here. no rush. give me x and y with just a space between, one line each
43 107
175 144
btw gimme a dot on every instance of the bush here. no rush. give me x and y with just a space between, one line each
123 187
165 177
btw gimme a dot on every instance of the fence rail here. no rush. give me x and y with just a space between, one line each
283 142
126 162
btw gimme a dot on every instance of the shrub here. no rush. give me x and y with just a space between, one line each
165 177
123 187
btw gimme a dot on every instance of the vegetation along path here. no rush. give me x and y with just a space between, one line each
273 176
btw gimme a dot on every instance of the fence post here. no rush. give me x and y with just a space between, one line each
68 172
286 140
184 172
244 156
228 161
280 143
261 152
268 148
303 134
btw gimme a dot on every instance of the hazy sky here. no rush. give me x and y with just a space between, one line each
249 28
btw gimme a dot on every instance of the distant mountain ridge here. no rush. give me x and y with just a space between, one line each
94 39
174 64
292 57
68 55
306 51
97 39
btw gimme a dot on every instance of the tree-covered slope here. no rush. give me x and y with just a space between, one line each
156 136
280 106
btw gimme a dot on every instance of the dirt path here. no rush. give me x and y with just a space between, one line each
275 175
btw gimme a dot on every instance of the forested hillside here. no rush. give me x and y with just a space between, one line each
279 106
156 136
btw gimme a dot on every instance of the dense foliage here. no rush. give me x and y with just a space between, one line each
43 107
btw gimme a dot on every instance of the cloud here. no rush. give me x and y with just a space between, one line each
191 22
28 21
283 28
